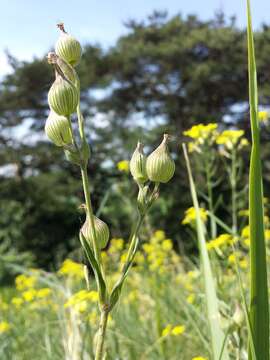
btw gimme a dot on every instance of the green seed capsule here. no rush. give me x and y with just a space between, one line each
160 166
63 97
68 48
138 165
57 129
101 229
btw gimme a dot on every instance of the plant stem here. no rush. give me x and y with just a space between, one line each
101 334
210 200
234 193
90 214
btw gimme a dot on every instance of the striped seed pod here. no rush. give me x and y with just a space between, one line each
160 166
57 129
101 229
137 165
63 96
68 48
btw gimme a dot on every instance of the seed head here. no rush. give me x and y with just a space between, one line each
57 129
137 165
101 230
63 96
67 47
160 166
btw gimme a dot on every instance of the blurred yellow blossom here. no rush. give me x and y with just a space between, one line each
220 241
191 298
80 300
199 358
263 115
4 327
72 269
23 282
29 295
190 215
16 301
123 166
229 138
43 293
201 131
170 330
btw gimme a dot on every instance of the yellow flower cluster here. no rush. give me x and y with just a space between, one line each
23 282
81 300
221 241
71 269
173 330
4 327
159 252
230 139
190 216
123 166
263 115
201 132
199 358
238 258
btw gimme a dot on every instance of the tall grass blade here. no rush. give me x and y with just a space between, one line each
259 307
217 335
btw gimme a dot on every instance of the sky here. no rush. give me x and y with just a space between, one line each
27 27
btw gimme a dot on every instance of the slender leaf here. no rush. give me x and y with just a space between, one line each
217 335
259 307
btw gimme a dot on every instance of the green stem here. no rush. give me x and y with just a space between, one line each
90 214
234 193
210 201
101 334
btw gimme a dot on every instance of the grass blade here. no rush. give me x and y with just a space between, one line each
217 335
259 307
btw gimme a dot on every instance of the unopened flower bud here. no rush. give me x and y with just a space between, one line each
137 164
101 230
142 197
63 96
68 48
57 129
160 166
238 316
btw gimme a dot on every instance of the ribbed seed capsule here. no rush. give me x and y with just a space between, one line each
101 229
137 164
68 48
160 166
57 129
63 97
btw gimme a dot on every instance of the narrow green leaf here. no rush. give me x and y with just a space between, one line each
217 335
259 307
95 266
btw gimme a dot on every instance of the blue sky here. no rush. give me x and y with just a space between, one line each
27 27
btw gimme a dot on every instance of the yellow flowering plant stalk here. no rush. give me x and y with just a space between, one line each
202 144
148 173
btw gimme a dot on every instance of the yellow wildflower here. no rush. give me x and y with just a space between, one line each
167 330
191 298
199 358
220 241
43 293
201 131
190 215
23 282
167 245
4 327
29 295
229 138
17 301
72 269
116 245
178 330
263 115
123 166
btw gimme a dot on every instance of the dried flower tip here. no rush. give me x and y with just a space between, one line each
63 97
62 67
57 129
67 47
101 230
138 164
160 166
